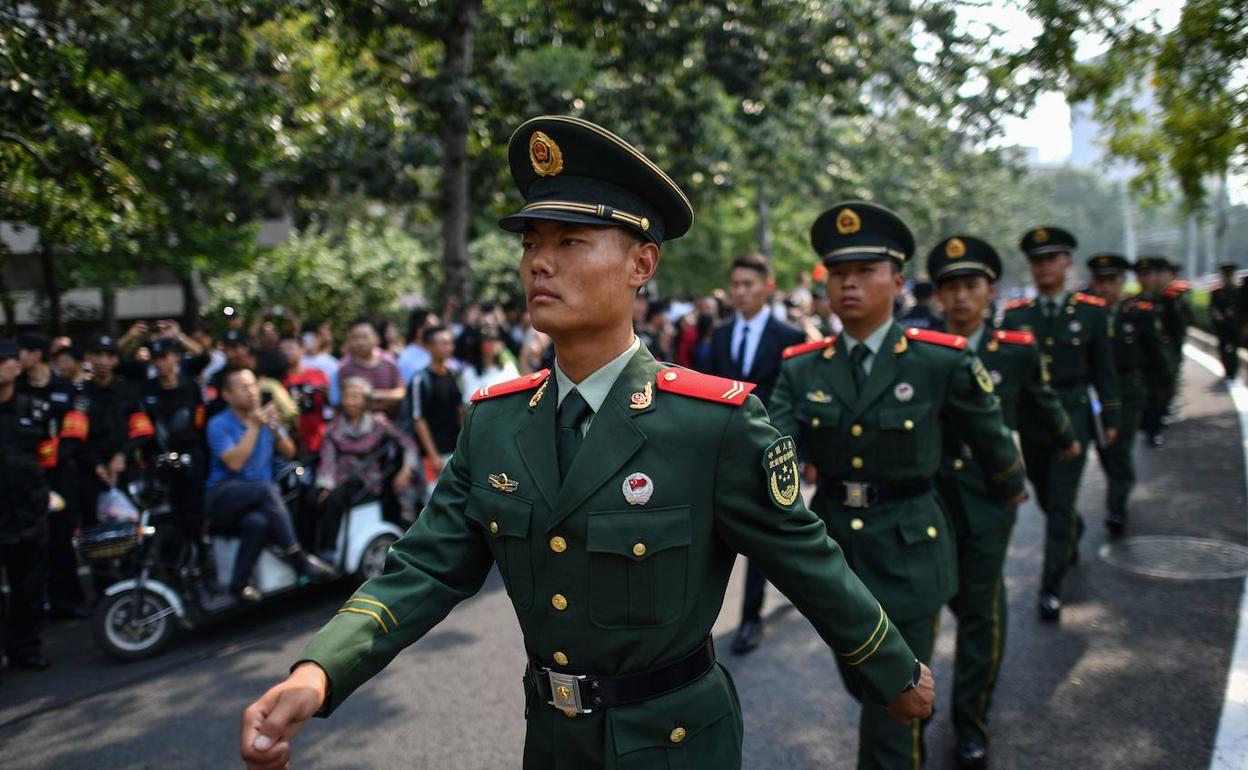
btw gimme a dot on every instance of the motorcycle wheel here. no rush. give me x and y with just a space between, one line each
373 560
117 634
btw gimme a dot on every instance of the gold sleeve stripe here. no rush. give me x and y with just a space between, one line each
1010 471
878 625
368 613
375 603
867 657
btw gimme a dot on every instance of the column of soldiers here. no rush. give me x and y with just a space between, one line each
614 491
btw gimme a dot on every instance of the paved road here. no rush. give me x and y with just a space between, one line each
1133 678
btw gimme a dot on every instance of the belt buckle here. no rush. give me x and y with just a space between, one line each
565 692
857 494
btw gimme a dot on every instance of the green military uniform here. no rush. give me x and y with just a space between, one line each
1139 358
1072 331
615 555
982 524
1224 309
877 447
1160 383
1176 316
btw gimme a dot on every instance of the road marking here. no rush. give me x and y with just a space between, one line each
1230 747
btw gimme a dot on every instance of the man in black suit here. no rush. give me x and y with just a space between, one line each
749 348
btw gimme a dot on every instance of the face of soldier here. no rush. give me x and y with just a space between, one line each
1048 271
583 279
241 391
750 289
863 291
1108 287
1147 279
965 298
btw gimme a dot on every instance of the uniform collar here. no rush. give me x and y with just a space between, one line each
595 387
975 337
873 341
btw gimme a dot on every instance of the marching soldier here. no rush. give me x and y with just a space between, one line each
868 406
1138 356
1223 306
1176 316
966 270
1148 272
1073 332
614 494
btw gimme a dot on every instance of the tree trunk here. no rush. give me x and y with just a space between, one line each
6 296
56 315
764 221
190 302
108 307
457 71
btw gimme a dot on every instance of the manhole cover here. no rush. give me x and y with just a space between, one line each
1178 558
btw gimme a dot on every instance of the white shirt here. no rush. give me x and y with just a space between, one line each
755 326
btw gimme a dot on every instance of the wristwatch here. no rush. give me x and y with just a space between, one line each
918 676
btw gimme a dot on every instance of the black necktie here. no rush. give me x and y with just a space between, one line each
856 358
740 354
572 412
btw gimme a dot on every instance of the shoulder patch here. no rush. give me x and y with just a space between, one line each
707 387
518 385
1014 338
937 338
780 467
1016 304
1089 299
807 347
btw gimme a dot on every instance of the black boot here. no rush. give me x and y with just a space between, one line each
308 565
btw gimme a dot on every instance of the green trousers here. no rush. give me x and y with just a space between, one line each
883 744
1056 482
1118 459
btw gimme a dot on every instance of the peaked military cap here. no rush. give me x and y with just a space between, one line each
570 170
1108 264
856 230
1146 264
963 255
1039 241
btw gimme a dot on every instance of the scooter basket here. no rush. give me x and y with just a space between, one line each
106 541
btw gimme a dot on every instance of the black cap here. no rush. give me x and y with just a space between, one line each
105 343
69 350
857 231
923 289
1145 264
1108 264
1227 267
960 255
570 170
1040 241
162 347
237 337
8 349
34 341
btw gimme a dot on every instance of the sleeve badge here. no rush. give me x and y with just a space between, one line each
780 467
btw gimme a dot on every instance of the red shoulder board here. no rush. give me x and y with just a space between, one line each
1016 304
518 385
1176 288
1089 299
1144 304
1014 338
807 347
708 387
937 338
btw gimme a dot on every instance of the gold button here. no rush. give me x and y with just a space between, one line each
1050 341
670 376
560 658
558 544
908 424
931 532
855 430
569 713
493 527
856 524
678 735
856 463
958 464
814 422
639 549
559 602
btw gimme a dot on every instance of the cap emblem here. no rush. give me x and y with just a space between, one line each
955 248
545 155
848 222
1041 235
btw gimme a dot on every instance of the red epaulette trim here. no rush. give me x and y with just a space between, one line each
807 347
518 385
1143 304
1176 288
708 387
1011 337
1016 304
937 338
1089 299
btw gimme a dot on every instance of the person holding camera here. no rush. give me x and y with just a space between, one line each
241 495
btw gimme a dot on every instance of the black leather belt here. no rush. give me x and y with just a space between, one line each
583 693
868 494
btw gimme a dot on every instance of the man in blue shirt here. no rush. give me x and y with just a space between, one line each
241 495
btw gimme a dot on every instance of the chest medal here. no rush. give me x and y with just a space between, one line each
637 488
780 466
903 392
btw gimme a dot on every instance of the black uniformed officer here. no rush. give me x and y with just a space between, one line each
26 443
1226 321
923 315
174 403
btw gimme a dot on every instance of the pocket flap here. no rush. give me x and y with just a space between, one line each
502 515
920 531
903 418
638 534
821 415
654 723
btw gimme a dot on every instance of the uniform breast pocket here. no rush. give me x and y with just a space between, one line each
818 417
638 565
506 520
903 429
